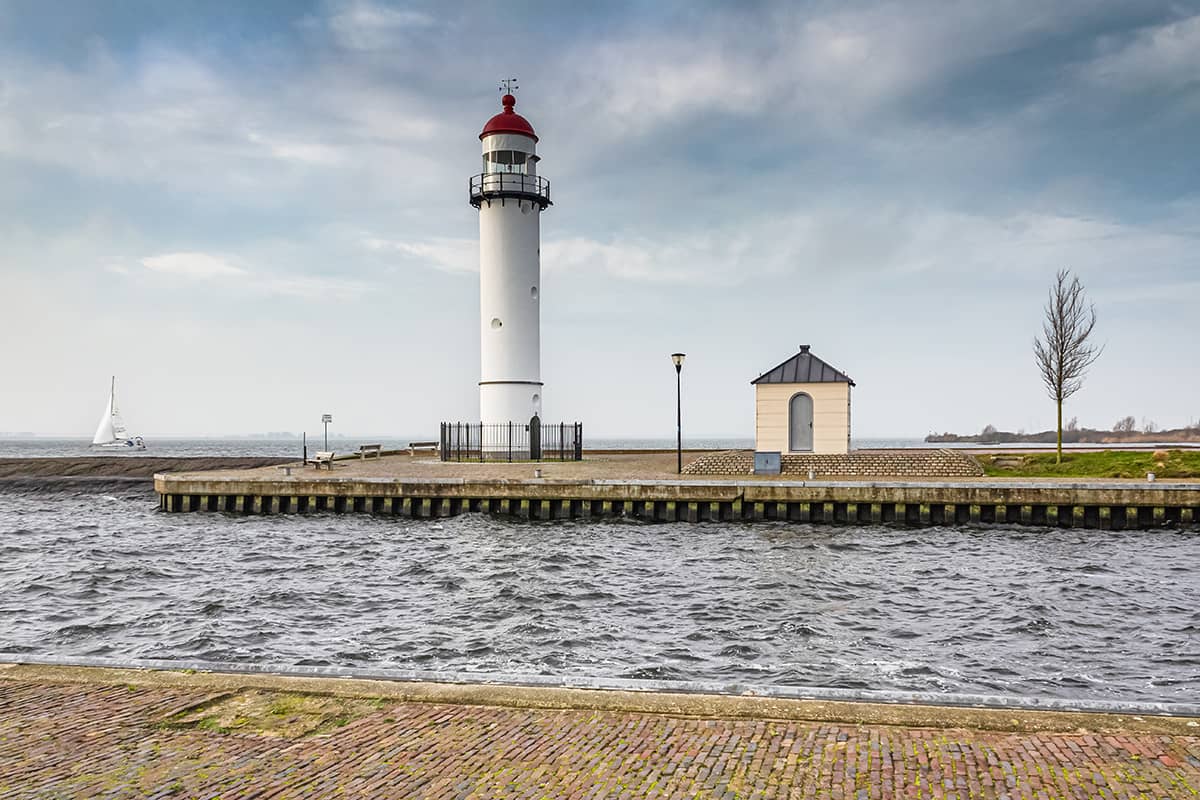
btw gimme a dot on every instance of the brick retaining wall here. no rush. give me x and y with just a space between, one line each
940 463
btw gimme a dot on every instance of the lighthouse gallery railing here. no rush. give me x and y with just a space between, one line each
512 441
518 185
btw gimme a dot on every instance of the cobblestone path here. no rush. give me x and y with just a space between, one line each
62 740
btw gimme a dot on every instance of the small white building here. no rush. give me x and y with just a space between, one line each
802 406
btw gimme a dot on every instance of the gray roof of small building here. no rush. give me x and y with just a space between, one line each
803 367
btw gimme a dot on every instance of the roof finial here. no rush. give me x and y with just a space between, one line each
508 86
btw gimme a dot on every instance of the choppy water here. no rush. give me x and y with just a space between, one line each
1032 612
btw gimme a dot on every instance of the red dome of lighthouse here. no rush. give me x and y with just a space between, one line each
508 121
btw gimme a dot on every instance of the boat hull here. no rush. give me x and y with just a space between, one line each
125 444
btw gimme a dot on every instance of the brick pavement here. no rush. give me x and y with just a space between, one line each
87 740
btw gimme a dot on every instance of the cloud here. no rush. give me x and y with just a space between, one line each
192 265
362 25
837 244
842 243
312 153
205 266
1158 58
309 287
823 68
188 122
1031 243
704 260
446 255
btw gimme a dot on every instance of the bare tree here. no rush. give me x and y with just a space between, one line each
1073 425
1149 426
1066 352
1125 425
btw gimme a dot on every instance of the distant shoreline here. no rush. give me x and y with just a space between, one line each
1081 436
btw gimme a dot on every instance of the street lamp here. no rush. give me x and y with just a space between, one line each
677 360
325 420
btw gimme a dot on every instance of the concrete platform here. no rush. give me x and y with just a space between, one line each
645 487
71 732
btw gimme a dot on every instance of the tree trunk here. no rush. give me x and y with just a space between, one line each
1059 459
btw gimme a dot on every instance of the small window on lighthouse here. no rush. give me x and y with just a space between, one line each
533 292
497 324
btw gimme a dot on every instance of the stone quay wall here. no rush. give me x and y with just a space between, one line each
1104 505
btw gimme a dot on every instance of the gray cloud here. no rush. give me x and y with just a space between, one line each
1161 57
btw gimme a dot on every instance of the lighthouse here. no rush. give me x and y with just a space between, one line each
510 196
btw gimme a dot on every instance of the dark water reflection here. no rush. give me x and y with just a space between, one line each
1051 613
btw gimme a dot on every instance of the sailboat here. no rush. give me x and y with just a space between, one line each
111 434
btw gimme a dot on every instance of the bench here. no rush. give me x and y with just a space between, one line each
363 449
320 458
287 468
413 447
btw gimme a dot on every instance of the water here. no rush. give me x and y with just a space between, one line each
172 448
46 447
178 448
1015 611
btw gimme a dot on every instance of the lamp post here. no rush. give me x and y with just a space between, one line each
677 359
325 420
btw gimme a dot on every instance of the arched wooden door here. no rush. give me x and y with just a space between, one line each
800 423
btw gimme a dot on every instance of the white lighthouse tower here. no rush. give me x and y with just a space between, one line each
510 196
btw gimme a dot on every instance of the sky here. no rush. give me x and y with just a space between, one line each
256 213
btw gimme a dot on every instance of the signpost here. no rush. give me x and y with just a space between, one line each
325 420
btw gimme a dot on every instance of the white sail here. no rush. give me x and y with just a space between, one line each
118 425
111 430
105 432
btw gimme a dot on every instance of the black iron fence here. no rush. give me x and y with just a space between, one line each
512 441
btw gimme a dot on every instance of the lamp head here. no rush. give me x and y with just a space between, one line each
677 360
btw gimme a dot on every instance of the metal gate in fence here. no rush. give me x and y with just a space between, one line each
512 441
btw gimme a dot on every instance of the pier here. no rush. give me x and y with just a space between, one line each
641 486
